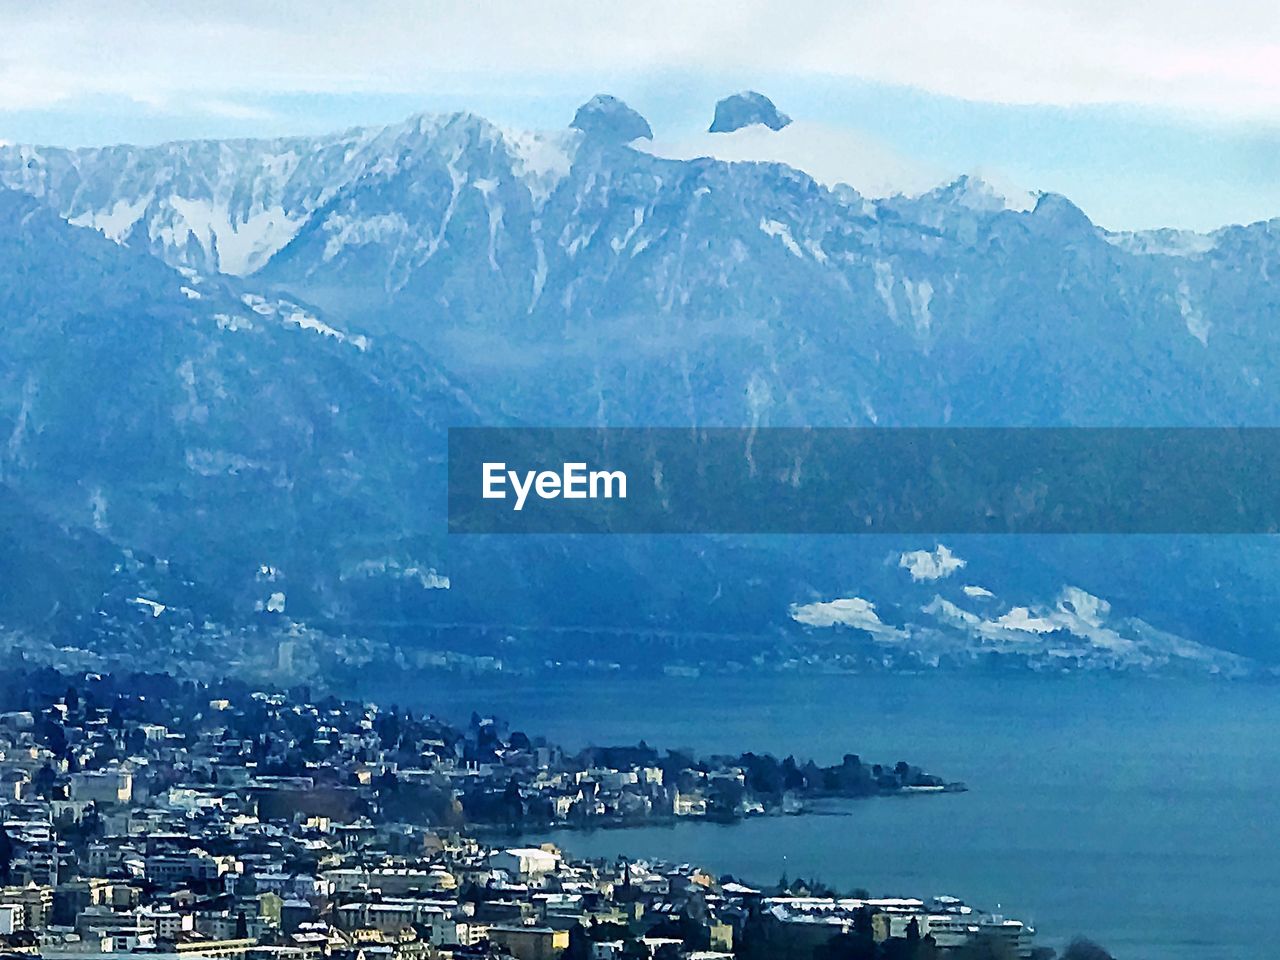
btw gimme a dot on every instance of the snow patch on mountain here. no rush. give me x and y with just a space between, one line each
1196 323
931 564
344 231
542 159
1074 631
154 607
301 318
618 244
227 321
884 284
950 613
919 297
244 246
846 612
293 315
423 575
1019 620
116 221
776 228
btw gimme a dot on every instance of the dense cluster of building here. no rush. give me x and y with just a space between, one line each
151 816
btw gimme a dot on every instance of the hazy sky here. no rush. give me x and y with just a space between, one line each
1154 113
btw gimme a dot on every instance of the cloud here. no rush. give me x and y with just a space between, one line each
231 110
924 565
829 154
1221 59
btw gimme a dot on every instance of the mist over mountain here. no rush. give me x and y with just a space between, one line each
228 367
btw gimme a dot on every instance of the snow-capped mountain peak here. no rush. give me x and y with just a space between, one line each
230 206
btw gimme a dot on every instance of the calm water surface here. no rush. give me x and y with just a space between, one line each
1139 812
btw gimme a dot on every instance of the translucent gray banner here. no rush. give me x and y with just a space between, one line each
898 480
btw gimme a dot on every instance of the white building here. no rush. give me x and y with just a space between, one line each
951 932
102 786
165 924
183 867
13 918
524 863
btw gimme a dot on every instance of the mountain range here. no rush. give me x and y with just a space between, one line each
226 368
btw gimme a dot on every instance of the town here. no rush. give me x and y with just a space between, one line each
144 814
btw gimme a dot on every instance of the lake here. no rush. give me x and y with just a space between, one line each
1136 811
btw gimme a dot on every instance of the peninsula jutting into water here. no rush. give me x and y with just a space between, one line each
147 814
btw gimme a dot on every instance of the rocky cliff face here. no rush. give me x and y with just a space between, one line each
744 109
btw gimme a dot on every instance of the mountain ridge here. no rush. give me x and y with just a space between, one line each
292 419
